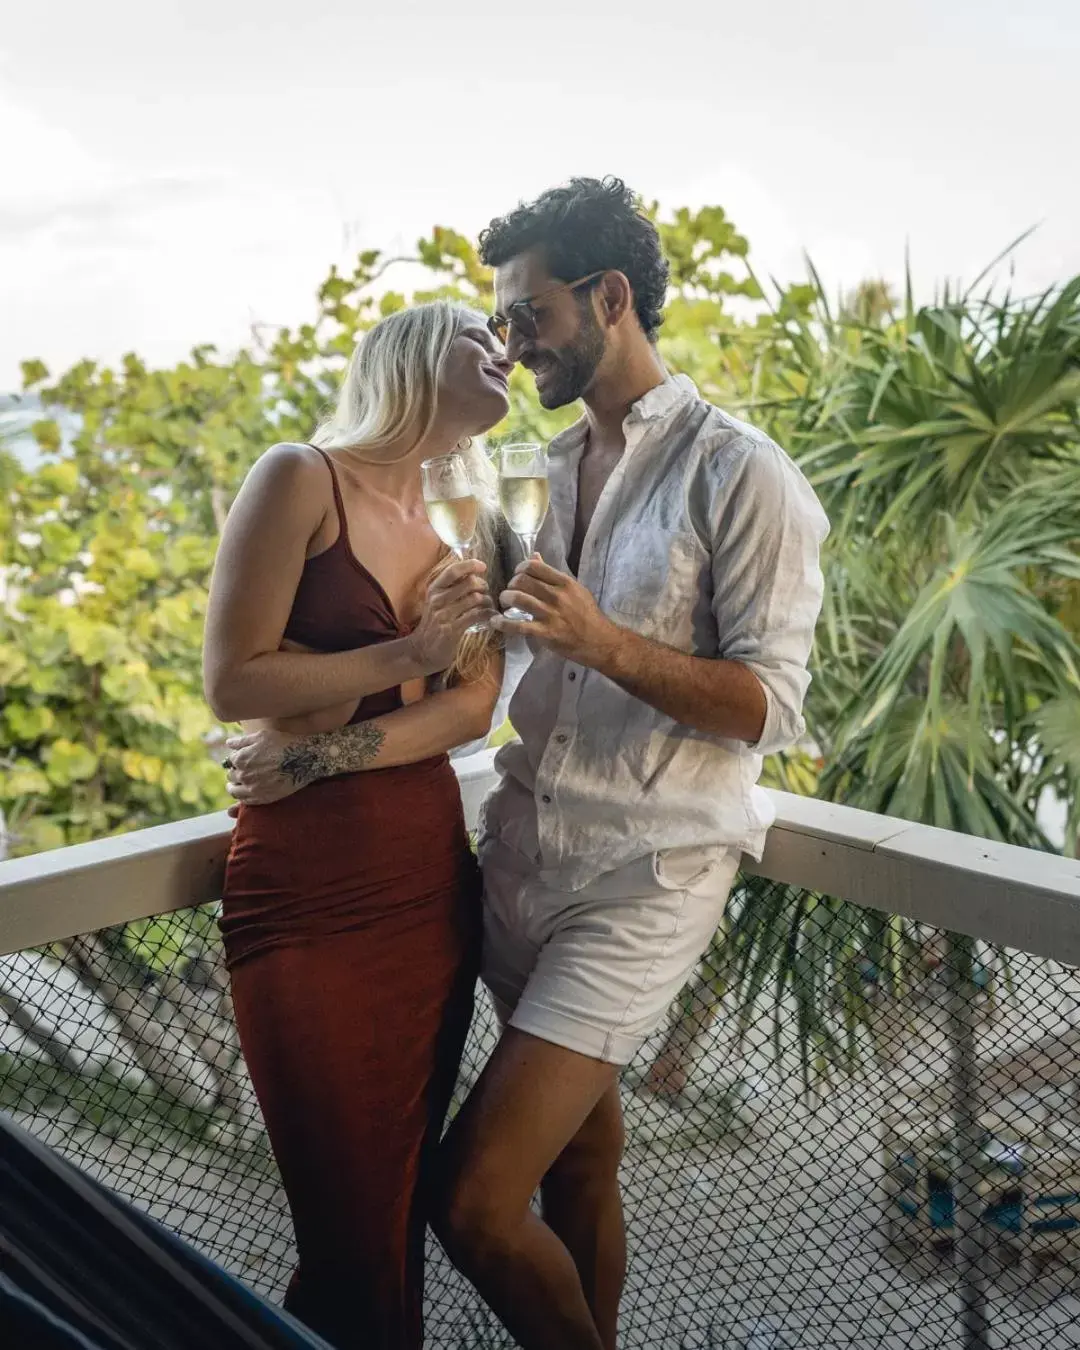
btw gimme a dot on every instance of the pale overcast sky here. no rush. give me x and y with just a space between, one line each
173 169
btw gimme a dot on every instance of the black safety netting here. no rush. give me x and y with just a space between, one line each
853 1131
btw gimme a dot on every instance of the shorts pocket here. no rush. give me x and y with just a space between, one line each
684 869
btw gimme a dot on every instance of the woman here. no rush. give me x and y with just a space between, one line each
351 909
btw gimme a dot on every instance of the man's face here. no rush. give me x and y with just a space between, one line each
569 342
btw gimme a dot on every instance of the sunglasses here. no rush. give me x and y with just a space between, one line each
522 314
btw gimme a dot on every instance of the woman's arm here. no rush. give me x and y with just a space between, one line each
268 765
264 544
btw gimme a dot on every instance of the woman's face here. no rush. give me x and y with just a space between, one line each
474 384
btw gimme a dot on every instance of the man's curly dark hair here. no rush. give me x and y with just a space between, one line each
590 225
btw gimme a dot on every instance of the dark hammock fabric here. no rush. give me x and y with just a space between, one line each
81 1269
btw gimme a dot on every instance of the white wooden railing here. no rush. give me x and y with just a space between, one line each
999 893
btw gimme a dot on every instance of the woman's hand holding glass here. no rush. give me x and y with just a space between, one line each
453 508
455 599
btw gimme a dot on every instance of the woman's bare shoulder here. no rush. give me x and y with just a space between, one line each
289 485
290 467
292 458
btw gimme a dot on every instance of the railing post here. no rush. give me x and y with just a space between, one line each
968 1203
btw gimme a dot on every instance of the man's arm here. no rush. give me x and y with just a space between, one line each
266 765
720 698
767 529
767 590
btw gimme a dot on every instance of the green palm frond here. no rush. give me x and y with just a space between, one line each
943 407
945 443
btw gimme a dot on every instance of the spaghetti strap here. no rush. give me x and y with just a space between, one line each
339 501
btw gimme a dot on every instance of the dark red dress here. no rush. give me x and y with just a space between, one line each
352 933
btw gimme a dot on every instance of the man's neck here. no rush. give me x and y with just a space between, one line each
609 401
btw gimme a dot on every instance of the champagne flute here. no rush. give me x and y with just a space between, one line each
523 496
452 507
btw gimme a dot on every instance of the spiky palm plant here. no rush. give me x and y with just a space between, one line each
945 443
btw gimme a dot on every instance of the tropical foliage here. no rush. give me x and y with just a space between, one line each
108 541
945 443
944 439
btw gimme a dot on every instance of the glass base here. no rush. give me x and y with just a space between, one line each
515 614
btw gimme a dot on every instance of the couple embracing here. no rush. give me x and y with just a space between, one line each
666 619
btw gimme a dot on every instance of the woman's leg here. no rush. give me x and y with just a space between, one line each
351 1042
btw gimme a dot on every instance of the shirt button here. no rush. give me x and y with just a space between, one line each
546 799
572 675
561 738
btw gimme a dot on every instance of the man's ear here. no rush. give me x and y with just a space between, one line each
615 298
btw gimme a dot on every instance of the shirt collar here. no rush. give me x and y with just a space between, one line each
659 402
663 399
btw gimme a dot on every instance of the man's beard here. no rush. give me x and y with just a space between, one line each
570 370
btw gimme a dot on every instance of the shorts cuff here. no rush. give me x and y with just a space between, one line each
609 1047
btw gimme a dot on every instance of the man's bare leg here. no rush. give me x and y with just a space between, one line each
582 1205
529 1103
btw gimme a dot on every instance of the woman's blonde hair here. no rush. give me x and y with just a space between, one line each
390 393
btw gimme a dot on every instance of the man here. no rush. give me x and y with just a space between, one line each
674 598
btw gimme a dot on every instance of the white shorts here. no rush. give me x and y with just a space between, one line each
595 970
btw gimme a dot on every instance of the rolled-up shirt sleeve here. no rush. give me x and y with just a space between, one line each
767 532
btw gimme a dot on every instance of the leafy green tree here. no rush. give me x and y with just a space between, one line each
943 438
108 543
102 726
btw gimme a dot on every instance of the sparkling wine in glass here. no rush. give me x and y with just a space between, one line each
523 496
452 507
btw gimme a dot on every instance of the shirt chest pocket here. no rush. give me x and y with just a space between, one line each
653 584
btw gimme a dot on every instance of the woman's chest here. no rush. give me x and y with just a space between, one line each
399 551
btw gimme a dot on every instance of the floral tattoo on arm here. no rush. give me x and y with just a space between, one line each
346 750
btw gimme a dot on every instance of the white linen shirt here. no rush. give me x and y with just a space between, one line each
705 538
